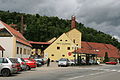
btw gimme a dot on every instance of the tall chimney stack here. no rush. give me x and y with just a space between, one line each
73 22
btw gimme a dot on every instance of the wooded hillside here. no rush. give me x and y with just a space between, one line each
43 28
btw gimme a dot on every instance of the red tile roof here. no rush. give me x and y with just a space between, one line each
32 42
20 38
1 48
99 49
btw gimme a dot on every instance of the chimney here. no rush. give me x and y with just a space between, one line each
73 22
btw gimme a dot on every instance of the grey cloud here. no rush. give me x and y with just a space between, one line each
103 15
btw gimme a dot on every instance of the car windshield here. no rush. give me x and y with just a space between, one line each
63 59
13 60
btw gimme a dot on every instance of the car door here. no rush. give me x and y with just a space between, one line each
1 65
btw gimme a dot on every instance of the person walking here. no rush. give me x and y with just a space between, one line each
48 62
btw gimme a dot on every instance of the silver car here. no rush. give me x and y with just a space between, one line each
7 67
63 62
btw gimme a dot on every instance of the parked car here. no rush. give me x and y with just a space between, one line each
41 60
31 63
22 63
71 62
111 62
63 62
38 62
7 67
14 60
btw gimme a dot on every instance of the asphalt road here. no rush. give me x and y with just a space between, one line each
104 72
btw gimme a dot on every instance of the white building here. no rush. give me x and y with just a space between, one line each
13 42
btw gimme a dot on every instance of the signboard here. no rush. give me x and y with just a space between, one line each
69 53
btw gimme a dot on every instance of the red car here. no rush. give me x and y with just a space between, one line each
31 63
114 63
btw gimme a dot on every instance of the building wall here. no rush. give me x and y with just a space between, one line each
75 36
22 50
8 44
63 43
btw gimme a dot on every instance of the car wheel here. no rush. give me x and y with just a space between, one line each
5 72
28 68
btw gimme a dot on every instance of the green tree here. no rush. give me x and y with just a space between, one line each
106 58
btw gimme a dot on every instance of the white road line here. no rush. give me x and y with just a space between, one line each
113 70
118 71
85 75
76 77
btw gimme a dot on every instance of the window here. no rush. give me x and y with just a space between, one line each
4 33
4 60
73 40
58 48
61 40
1 59
68 48
20 50
63 55
24 51
65 40
52 55
28 52
17 50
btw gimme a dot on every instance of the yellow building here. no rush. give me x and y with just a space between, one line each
65 44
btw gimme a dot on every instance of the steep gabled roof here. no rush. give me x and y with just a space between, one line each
19 37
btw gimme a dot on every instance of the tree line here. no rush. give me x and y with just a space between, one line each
44 28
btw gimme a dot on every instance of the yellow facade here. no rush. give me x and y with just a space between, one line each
75 36
61 47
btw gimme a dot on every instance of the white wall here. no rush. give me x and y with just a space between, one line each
8 44
23 47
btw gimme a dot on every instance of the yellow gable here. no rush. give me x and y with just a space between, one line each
60 48
75 36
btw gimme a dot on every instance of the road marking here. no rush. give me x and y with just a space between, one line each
85 75
76 77
113 70
118 71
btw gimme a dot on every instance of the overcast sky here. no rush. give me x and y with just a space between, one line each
103 15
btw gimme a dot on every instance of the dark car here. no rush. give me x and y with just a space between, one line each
38 62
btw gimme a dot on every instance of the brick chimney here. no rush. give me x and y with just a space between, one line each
73 22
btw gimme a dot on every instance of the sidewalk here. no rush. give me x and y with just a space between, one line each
55 65
52 64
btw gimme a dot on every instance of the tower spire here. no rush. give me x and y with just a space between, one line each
73 22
